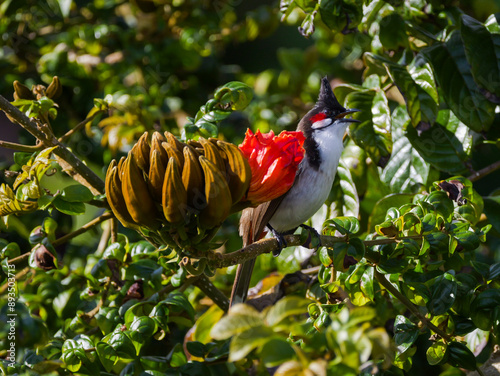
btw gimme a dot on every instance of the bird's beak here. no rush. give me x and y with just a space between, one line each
345 113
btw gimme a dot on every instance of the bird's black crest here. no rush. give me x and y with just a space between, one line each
327 99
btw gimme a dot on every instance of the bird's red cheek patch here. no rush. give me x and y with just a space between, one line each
318 117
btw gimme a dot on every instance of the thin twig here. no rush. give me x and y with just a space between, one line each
79 126
19 147
84 228
403 299
65 238
484 171
19 275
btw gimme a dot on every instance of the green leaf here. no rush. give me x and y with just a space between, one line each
205 323
382 206
393 31
239 96
344 225
121 343
373 133
77 193
344 198
436 354
107 355
288 306
483 53
483 306
454 76
142 329
22 158
406 171
443 293
276 352
239 319
442 203
243 343
446 146
141 269
70 208
73 355
107 318
405 333
461 356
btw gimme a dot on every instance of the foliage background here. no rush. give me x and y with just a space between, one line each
157 62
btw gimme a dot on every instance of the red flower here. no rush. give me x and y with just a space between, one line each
274 161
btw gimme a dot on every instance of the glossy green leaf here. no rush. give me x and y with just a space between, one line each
344 225
436 353
343 199
378 213
446 146
482 49
239 319
76 193
454 76
406 171
443 291
405 333
243 343
142 329
373 133
107 355
121 343
66 207
288 306
392 31
461 356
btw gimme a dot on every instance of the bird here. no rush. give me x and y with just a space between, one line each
324 127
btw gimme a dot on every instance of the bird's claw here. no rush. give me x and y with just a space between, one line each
280 239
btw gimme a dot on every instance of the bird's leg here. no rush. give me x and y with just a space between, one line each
279 238
314 237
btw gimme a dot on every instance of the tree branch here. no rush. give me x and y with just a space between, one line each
484 171
218 260
79 126
19 147
70 163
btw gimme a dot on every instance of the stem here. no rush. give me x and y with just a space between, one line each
484 171
69 162
19 147
205 285
79 126
84 228
403 299
67 237
22 273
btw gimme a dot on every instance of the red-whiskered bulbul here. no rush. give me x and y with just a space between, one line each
324 127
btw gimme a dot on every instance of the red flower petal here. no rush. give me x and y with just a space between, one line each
274 161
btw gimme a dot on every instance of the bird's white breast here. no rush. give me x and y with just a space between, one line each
311 187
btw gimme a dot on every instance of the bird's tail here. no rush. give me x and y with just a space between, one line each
242 282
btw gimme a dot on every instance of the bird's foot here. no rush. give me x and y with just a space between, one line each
313 239
280 239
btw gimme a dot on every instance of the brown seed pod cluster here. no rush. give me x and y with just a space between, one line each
181 191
